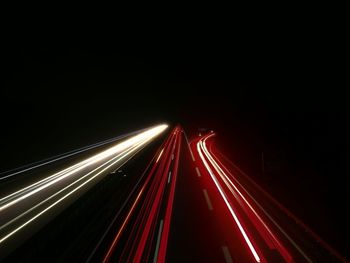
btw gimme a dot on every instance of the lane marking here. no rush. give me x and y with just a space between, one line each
191 153
189 147
169 207
158 242
227 254
278 204
110 250
120 211
210 206
152 213
169 176
198 172
275 242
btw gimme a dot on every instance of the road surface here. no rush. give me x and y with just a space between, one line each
221 215
172 201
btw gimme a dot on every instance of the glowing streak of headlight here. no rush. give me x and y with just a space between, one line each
40 185
126 148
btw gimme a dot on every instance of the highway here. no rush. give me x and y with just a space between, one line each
149 217
27 209
154 195
232 219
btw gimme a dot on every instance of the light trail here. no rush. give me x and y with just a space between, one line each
46 182
32 166
160 154
120 231
104 161
200 148
126 220
154 208
274 243
135 245
143 231
161 257
47 179
119 157
55 203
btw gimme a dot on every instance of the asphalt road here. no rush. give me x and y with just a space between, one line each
172 201
142 234
221 215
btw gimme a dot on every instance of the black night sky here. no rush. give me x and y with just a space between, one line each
280 95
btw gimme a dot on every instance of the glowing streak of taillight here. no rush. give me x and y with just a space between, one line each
243 232
229 183
166 229
154 206
111 248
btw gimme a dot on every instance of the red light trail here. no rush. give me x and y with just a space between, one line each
144 227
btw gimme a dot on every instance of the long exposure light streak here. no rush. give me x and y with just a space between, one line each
267 234
32 166
96 166
201 150
46 182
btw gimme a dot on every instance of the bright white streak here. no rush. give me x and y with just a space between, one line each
57 193
161 152
47 179
90 161
245 236
78 187
229 183
60 157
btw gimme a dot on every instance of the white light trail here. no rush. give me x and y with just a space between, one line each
32 166
46 182
116 154
160 154
243 232
119 157
234 191
271 239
